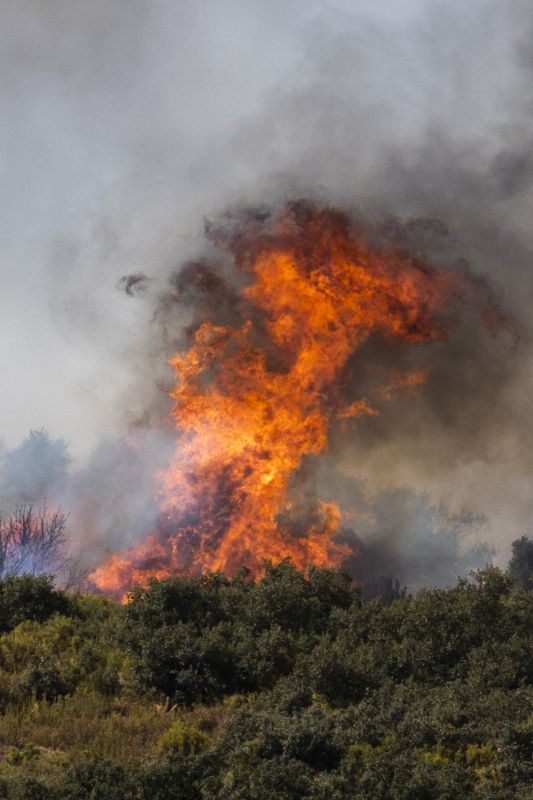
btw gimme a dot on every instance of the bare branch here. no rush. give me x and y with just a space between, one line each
33 542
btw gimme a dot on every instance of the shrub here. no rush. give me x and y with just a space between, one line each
29 598
183 738
175 779
99 781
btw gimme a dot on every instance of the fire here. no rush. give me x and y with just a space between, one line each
252 399
409 380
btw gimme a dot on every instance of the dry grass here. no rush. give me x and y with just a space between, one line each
40 739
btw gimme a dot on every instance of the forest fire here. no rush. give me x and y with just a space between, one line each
256 396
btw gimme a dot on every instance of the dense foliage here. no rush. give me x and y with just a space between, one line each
286 687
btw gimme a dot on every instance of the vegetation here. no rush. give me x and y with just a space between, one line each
285 687
33 542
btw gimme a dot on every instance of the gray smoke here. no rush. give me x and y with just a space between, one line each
128 123
109 503
34 471
133 284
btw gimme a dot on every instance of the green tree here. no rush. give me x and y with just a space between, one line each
29 597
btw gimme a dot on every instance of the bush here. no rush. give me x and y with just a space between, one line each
29 598
27 789
99 781
427 698
175 779
183 738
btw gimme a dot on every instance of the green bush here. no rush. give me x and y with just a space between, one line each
287 686
29 598
183 738
99 781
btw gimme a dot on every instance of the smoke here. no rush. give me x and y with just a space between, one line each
403 535
140 120
109 502
400 531
111 505
34 471
134 283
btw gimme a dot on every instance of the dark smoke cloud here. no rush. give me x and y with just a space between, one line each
402 534
432 122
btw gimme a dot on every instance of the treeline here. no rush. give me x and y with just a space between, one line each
285 687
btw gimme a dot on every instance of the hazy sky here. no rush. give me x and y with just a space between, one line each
125 122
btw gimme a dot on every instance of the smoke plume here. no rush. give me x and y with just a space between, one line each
415 120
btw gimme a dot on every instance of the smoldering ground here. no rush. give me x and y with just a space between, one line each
413 113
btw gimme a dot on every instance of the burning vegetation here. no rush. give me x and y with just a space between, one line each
262 377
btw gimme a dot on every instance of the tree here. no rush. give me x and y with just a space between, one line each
521 563
29 598
33 543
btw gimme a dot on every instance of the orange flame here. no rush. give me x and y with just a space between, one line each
407 380
252 399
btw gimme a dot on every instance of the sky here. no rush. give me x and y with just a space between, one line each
124 123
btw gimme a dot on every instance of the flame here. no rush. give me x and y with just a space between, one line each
406 380
252 399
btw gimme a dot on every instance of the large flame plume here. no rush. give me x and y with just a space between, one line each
253 398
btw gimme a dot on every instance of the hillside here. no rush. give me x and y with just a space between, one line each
286 687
